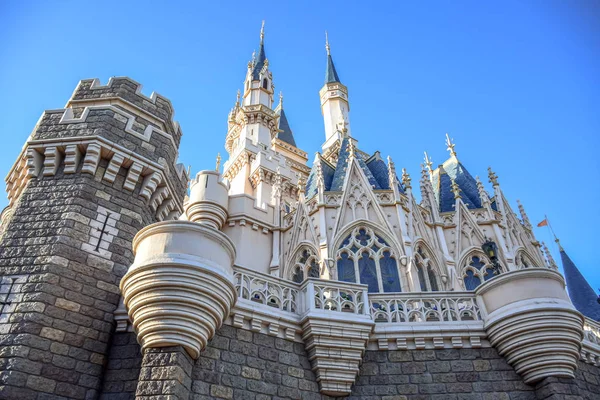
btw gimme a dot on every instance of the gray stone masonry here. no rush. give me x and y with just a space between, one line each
55 335
240 364
123 368
165 375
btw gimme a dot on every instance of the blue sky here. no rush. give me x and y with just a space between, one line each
516 84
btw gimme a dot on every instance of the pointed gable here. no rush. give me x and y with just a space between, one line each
582 295
342 165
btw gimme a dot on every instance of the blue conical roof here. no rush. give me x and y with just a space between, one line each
582 295
442 178
259 62
331 75
285 133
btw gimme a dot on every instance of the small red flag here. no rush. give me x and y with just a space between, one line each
543 223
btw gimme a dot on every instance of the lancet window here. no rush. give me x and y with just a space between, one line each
365 257
523 261
425 271
475 271
306 264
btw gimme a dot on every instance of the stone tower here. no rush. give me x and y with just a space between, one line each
88 178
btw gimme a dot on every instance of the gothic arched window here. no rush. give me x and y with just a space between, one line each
305 264
476 271
369 257
425 271
265 83
523 260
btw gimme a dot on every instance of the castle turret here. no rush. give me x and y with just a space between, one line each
334 104
89 177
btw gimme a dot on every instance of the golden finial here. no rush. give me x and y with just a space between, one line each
327 43
237 100
262 32
493 177
218 167
455 189
428 161
450 146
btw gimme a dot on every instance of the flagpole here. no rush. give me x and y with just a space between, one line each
553 234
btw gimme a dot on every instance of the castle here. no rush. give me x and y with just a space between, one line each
269 278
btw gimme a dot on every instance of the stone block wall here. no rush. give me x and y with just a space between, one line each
62 288
240 364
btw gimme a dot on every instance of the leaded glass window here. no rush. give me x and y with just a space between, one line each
306 264
367 256
425 271
476 271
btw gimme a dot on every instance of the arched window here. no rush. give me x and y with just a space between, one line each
426 273
368 257
265 83
523 260
475 271
305 264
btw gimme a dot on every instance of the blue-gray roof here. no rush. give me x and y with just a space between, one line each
374 168
331 75
259 62
311 183
285 133
442 178
582 295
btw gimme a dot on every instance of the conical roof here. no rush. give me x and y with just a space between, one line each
582 295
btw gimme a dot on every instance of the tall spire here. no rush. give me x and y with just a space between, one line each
260 60
331 75
582 295
450 146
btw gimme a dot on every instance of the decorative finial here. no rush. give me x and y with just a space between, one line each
423 173
493 177
560 248
281 99
406 179
237 100
524 216
253 56
391 172
549 257
218 167
450 146
428 162
262 32
319 171
350 150
483 195
455 189
301 185
277 188
327 44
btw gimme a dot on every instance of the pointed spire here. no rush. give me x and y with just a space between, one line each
237 100
262 32
331 75
455 189
218 166
524 216
483 195
583 297
319 173
392 178
428 162
450 146
549 257
406 179
493 177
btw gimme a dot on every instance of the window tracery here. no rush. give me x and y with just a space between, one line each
306 264
476 271
365 257
427 277
523 260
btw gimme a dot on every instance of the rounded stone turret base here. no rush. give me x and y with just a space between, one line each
530 320
179 289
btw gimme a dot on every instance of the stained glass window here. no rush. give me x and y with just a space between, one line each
306 264
476 271
366 255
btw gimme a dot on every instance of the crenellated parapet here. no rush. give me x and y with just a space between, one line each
103 130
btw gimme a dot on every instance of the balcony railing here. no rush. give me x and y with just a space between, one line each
318 294
266 289
424 307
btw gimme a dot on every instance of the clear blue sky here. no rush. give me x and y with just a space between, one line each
516 84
